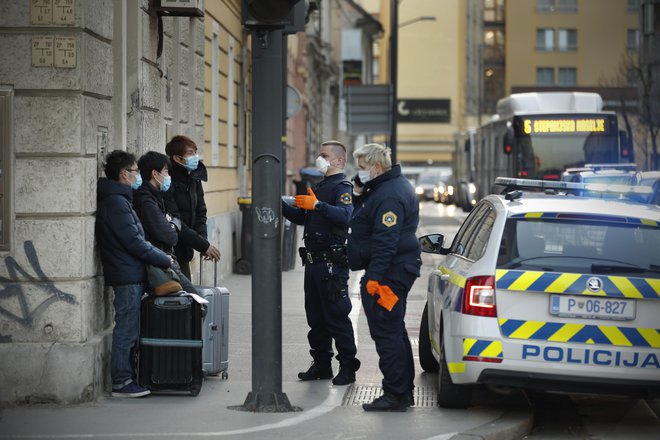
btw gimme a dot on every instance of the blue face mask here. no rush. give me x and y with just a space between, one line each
167 181
192 162
137 183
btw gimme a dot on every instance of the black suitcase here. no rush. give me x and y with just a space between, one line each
170 352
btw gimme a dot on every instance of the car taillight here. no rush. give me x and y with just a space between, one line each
479 296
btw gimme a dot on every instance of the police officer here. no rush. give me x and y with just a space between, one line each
383 243
325 211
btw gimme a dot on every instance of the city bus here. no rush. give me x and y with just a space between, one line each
539 135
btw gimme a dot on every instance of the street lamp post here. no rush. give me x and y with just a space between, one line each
394 63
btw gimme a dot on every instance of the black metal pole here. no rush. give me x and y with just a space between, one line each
394 62
266 394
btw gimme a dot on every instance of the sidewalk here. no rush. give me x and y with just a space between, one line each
327 411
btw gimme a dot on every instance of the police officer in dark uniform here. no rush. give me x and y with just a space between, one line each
325 211
383 243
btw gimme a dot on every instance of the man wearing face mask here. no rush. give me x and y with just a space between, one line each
383 243
161 228
124 253
186 201
325 211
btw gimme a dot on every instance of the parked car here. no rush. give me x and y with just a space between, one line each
426 182
547 291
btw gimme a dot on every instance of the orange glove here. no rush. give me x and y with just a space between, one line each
386 298
306 202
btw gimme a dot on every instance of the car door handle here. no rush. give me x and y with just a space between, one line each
444 277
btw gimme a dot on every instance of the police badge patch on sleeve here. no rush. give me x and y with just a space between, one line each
389 219
346 199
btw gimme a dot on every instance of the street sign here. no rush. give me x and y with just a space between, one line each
424 110
369 109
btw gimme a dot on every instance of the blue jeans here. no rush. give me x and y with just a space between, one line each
126 332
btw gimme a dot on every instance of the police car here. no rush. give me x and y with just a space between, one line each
547 291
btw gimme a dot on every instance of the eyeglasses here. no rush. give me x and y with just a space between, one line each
132 170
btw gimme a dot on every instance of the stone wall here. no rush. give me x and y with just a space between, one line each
55 315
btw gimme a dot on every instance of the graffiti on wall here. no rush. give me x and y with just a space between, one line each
11 289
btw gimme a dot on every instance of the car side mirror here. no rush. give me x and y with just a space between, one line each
432 244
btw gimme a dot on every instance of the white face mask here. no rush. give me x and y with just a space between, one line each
364 175
322 164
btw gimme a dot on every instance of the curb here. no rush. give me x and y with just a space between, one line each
511 425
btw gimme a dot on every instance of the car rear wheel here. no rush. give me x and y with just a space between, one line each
426 359
451 395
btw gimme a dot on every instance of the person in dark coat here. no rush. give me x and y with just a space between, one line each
161 229
383 243
186 201
124 253
325 212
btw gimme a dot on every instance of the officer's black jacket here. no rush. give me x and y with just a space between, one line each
185 200
383 227
327 224
119 234
150 207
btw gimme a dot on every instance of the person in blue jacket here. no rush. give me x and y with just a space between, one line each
325 211
124 253
383 243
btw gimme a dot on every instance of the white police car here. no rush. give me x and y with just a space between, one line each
546 291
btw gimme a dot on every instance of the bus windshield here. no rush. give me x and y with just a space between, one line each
548 144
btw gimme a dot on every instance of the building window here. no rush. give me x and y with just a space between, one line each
568 5
545 5
6 122
633 39
633 5
545 39
493 10
567 76
545 76
567 40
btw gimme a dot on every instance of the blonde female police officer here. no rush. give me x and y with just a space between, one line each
383 242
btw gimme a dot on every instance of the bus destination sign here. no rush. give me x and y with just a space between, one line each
564 125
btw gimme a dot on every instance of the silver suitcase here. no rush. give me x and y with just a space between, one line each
215 330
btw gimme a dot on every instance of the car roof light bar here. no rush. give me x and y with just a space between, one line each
510 184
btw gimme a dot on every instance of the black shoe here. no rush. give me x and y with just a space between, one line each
388 402
346 373
317 371
411 398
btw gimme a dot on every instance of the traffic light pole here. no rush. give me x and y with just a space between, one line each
266 394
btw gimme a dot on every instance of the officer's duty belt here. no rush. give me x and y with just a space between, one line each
312 257
335 255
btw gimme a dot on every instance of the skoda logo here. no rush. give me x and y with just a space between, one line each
594 284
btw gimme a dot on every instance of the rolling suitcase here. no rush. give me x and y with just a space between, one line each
215 331
170 352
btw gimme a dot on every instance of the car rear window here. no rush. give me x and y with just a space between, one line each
580 246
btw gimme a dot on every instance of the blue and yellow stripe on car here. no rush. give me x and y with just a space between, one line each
580 333
482 348
595 217
576 284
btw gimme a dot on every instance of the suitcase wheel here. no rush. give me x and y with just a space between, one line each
195 391
225 375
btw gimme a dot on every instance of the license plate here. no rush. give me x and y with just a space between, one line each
592 308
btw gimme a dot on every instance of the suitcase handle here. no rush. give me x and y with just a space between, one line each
201 271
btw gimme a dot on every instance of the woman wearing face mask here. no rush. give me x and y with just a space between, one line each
160 228
383 243
186 201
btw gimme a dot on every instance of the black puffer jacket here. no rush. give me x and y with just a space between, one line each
119 234
185 200
150 207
